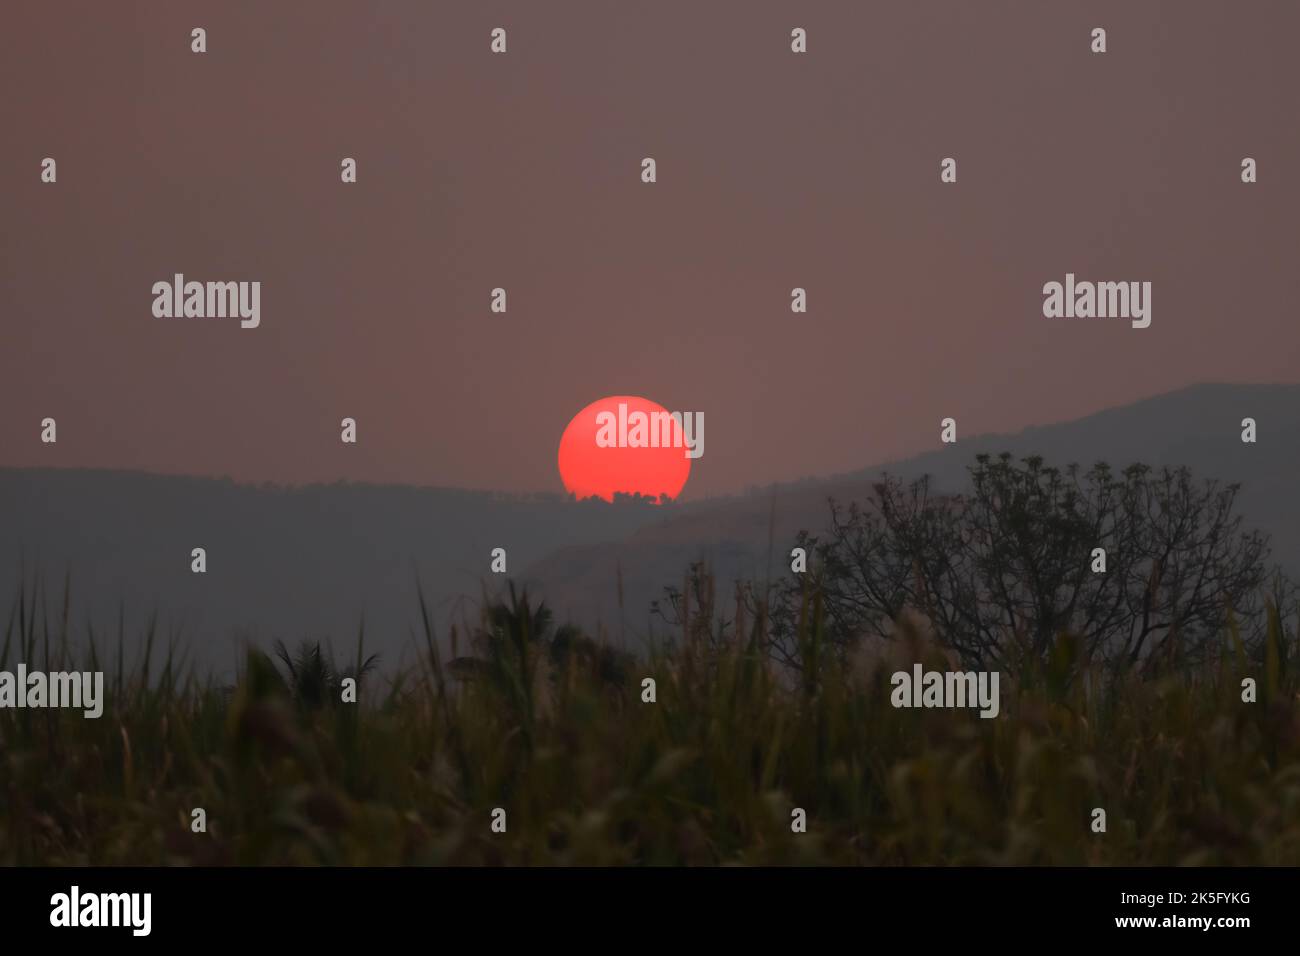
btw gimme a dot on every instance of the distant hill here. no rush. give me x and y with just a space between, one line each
284 563
1198 426
310 562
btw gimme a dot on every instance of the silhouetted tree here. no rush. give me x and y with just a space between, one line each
1002 571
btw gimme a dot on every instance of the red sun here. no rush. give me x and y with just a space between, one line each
589 469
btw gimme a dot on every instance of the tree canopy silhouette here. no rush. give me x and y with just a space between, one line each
1005 569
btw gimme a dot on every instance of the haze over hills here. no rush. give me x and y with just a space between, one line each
311 561
287 563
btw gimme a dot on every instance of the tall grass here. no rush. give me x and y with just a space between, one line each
551 727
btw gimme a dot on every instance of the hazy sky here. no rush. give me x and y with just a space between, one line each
522 170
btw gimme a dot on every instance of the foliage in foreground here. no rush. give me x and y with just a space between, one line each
551 726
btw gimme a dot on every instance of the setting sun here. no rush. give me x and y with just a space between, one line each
588 469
